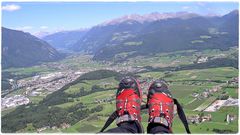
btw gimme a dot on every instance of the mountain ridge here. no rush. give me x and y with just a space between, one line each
154 16
64 39
139 33
20 49
171 34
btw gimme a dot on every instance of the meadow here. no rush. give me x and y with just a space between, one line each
182 85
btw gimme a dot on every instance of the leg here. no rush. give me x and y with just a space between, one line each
125 127
155 128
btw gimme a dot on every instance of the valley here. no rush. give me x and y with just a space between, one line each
65 81
90 86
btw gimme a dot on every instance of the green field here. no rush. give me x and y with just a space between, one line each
104 83
221 74
233 92
182 85
77 62
194 104
28 70
205 104
163 59
36 99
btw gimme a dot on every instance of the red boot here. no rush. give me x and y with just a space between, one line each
128 101
160 104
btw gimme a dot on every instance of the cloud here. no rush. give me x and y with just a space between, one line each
201 3
41 34
186 7
11 7
24 28
43 27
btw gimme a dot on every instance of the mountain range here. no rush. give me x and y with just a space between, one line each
125 37
21 49
154 33
155 16
64 39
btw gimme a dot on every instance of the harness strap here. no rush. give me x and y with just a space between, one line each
181 115
143 107
113 116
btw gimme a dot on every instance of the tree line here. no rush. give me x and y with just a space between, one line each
42 116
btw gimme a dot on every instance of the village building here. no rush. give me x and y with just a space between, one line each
202 59
195 119
64 125
205 94
230 118
206 118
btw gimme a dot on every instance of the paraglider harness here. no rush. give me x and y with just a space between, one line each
180 112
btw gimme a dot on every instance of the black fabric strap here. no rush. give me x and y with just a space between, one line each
181 115
143 107
113 116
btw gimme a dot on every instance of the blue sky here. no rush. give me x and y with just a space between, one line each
53 16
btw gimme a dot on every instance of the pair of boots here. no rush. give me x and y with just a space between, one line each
160 106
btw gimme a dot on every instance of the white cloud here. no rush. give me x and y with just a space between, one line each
201 3
24 28
11 7
41 34
186 7
43 27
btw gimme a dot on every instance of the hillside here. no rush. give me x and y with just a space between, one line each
172 32
21 49
65 39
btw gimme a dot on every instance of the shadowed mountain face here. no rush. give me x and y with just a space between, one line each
64 40
153 33
21 49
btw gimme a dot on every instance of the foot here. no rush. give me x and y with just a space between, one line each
160 104
128 100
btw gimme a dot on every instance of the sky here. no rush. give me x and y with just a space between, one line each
35 17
